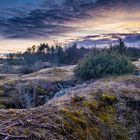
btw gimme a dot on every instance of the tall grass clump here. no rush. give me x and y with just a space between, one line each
104 63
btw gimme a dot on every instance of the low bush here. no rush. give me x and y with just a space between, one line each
96 66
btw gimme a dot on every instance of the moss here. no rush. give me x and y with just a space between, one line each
78 125
68 127
108 98
105 117
93 105
107 114
81 125
77 99
26 131
75 116
94 131
90 133
82 133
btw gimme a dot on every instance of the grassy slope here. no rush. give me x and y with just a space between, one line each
10 83
4 78
52 74
94 111
106 109
49 74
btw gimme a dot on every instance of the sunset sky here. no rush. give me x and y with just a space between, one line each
24 23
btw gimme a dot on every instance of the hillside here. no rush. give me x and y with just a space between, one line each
50 74
106 108
31 90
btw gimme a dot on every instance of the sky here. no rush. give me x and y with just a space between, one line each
24 23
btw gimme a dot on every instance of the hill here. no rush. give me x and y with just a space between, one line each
106 108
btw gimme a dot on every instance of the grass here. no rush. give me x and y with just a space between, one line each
86 124
105 97
91 115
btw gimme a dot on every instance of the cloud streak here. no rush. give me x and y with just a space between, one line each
109 39
43 21
59 17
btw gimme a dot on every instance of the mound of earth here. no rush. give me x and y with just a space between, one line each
97 110
31 90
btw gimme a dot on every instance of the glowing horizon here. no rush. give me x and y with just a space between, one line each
47 24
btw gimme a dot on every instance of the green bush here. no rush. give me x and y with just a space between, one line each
96 66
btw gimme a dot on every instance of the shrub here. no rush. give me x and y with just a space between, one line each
26 70
96 66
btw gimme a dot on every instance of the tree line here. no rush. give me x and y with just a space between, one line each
57 54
